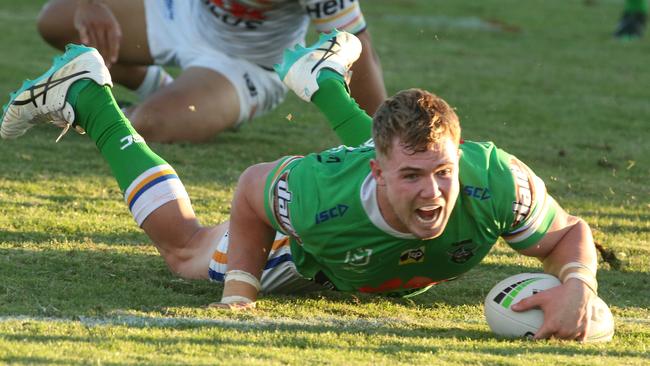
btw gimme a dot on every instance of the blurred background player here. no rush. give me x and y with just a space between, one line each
632 23
225 48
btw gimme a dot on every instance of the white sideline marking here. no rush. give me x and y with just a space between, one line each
262 322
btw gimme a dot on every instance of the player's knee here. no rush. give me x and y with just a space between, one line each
153 122
180 264
53 28
168 122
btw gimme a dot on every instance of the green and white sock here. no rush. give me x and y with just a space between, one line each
146 179
350 123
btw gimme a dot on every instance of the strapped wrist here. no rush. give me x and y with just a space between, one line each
590 281
581 272
242 276
236 300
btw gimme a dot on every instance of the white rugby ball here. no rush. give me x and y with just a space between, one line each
510 291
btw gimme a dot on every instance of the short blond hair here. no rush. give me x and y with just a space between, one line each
418 118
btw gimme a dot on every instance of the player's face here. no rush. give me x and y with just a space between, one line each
417 192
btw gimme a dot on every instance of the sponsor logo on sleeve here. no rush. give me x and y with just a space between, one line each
524 191
281 206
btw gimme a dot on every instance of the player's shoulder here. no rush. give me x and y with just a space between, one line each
485 172
482 158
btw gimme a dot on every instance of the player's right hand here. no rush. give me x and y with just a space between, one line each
98 28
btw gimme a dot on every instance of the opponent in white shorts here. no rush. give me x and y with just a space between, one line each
279 275
225 48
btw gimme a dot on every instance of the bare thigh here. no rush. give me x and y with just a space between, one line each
56 26
198 105
185 245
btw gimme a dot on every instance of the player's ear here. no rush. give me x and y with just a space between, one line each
377 173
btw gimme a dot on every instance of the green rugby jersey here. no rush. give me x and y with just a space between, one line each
326 203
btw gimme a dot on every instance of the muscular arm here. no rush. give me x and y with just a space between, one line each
367 84
251 236
565 307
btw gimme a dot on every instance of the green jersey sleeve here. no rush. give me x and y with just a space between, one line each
533 209
520 209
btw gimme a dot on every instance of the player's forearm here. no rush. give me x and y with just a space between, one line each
367 84
251 237
574 257
246 259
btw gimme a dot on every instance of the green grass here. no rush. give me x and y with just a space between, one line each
81 284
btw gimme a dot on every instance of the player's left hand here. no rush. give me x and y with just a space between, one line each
566 310
233 306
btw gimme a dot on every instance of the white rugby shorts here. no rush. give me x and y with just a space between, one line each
174 41
280 274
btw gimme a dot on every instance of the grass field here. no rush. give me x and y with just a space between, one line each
81 284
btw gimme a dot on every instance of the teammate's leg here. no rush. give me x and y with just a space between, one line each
199 104
75 92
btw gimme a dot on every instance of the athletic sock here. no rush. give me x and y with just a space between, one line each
350 123
155 78
636 6
146 180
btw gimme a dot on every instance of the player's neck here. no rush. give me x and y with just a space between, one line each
387 212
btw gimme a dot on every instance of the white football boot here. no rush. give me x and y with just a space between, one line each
44 99
300 66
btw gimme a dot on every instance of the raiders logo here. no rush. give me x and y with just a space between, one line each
462 251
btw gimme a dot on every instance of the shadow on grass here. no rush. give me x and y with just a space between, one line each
45 238
60 282
71 281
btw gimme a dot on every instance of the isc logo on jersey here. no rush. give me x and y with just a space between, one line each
332 213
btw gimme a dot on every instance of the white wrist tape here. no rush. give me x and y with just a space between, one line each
590 281
242 276
236 299
571 265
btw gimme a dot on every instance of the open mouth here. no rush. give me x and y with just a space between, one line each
428 214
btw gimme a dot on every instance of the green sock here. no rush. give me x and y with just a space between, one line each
98 114
636 6
350 123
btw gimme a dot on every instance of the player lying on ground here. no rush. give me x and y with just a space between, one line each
415 208
226 50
